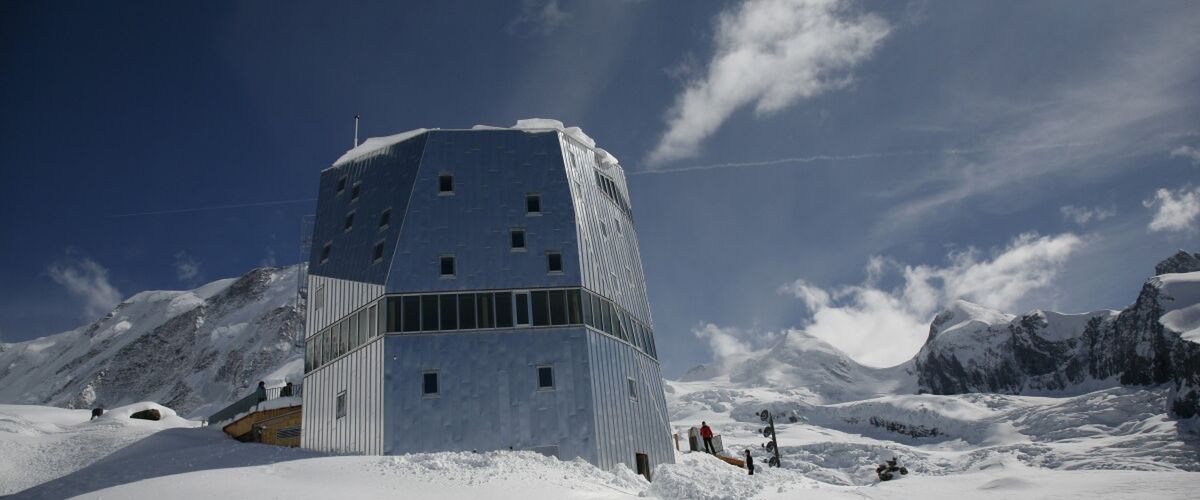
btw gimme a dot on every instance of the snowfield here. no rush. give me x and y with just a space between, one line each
1114 443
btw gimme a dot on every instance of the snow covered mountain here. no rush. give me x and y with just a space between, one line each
1153 341
193 351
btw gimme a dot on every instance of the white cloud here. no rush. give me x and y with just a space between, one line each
883 327
1087 126
187 269
539 17
268 260
1084 215
1174 211
1187 152
88 280
730 346
769 53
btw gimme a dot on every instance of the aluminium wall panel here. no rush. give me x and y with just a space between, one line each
359 374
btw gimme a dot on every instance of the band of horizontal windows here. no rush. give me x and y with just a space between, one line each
440 312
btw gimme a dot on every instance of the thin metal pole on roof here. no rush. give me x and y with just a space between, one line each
356 131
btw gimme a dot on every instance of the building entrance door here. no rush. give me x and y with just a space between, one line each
643 465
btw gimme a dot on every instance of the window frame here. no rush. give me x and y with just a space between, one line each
633 392
341 184
450 177
437 384
538 373
355 191
537 198
562 266
442 266
512 233
348 221
341 405
326 252
385 218
378 251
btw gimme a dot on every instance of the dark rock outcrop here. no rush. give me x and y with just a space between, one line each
147 414
1045 352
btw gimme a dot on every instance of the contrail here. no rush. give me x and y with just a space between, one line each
853 157
215 207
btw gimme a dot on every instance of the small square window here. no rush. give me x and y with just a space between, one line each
447 266
325 251
429 384
340 404
545 376
554 262
632 389
385 218
517 239
377 255
355 190
349 223
446 184
533 204
341 185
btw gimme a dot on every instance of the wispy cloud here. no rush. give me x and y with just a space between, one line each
1174 210
1187 152
541 17
88 280
1123 110
187 268
769 53
883 327
1084 215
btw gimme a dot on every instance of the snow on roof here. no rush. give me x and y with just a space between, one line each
376 145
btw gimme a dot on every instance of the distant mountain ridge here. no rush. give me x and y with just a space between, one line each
974 349
189 350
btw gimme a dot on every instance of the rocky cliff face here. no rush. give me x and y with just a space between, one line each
189 350
973 349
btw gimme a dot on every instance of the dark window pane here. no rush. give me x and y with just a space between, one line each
308 357
412 313
393 314
558 307
349 221
449 312
429 383
429 312
372 326
606 317
522 308
352 336
587 308
357 188
632 389
486 313
574 312
377 255
533 203
541 309
447 266
325 251
446 183
504 309
341 185
518 238
385 218
554 262
466 311
545 377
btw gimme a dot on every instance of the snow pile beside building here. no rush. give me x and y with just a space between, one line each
40 443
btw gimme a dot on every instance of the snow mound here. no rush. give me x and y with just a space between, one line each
1182 291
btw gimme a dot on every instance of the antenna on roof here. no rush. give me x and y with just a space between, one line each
356 130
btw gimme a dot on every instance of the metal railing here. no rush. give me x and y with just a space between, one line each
248 403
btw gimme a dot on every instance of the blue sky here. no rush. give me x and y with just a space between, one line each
843 167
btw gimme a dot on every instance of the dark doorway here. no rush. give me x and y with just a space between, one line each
643 465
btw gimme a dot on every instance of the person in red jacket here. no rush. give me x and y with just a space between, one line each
706 433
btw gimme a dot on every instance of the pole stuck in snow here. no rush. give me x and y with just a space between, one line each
356 130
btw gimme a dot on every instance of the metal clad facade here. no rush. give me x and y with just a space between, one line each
488 388
493 171
488 392
360 375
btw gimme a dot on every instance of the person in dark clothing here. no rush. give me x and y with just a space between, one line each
749 463
286 392
261 392
96 412
707 434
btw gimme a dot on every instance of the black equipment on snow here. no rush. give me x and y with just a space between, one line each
887 471
771 446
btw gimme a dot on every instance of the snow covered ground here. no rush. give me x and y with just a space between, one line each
1115 443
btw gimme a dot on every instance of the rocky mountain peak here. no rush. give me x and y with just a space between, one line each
1181 262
